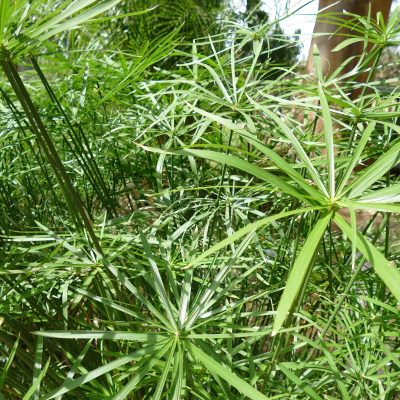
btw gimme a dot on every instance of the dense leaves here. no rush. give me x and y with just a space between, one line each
177 233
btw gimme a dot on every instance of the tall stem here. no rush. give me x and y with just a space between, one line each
282 336
89 158
219 190
347 289
40 141
370 75
46 143
352 280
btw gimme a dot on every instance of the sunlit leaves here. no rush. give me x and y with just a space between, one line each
223 252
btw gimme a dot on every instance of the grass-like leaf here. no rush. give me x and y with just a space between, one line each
297 275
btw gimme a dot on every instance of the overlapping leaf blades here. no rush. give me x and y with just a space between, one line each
180 295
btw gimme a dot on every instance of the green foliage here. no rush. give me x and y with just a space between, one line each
195 18
177 233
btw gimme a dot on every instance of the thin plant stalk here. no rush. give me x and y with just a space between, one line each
34 117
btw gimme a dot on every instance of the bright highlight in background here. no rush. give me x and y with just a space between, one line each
303 19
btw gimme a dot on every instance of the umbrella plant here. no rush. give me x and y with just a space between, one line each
177 233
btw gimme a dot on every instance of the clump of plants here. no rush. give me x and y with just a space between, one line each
178 234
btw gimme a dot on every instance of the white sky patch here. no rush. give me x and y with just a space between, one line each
303 19
239 5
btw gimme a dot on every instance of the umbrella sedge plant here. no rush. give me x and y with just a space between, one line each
331 192
233 274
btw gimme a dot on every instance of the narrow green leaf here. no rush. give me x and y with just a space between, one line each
124 281
38 366
296 144
64 301
353 220
233 70
78 297
33 388
94 374
231 285
371 174
74 8
248 228
4 10
347 42
317 63
187 285
393 208
177 380
386 350
387 272
79 19
300 268
257 333
166 371
125 310
335 371
112 335
274 157
380 304
390 194
142 373
234 162
76 365
356 156
299 383
257 47
8 363
210 291
130 14
158 281
328 132
393 20
224 373
26 294
72 249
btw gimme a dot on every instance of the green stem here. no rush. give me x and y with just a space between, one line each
370 75
364 65
282 336
346 152
351 138
40 140
44 140
387 238
296 244
219 191
74 137
352 280
19 119
387 235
